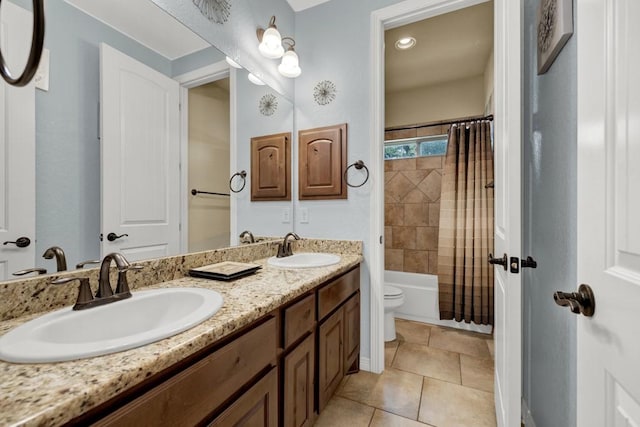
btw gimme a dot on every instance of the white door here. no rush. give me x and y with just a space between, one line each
608 354
507 143
17 146
140 158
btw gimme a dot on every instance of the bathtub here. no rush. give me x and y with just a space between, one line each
421 300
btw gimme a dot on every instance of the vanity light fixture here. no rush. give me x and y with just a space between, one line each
405 43
270 41
290 65
231 62
256 81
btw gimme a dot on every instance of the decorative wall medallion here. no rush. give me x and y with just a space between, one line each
555 26
324 92
217 11
268 104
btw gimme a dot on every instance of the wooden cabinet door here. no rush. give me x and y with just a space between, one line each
352 334
330 356
299 388
322 162
258 407
271 167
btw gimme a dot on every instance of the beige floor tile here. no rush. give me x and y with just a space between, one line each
390 349
449 405
491 348
470 343
476 372
428 361
386 419
393 391
344 412
414 332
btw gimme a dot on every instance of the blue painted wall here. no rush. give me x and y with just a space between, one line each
549 230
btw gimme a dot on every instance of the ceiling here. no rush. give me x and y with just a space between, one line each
449 47
157 30
298 5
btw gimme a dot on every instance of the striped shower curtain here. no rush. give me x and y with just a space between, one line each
465 279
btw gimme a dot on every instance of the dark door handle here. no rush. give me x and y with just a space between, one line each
21 242
113 236
582 301
500 261
528 263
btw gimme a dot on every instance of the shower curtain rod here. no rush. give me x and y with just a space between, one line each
442 122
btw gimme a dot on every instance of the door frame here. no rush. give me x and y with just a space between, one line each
198 77
509 22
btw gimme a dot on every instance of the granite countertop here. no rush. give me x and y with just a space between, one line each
53 393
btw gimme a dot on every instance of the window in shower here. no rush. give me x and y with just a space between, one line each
415 147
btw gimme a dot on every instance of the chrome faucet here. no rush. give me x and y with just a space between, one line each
284 248
58 253
247 233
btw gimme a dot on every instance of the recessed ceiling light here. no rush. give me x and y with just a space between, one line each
405 43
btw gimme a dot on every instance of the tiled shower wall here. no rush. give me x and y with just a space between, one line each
412 214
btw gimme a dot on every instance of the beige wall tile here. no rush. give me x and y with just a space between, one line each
414 196
430 131
393 391
388 165
434 214
433 262
416 261
451 405
429 162
388 236
431 186
344 412
394 259
415 176
398 186
403 164
388 175
428 361
399 134
416 214
427 238
404 237
393 214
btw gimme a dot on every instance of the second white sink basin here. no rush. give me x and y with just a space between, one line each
305 260
146 317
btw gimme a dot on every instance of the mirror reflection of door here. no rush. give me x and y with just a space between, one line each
209 151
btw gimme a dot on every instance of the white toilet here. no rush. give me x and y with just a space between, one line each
393 298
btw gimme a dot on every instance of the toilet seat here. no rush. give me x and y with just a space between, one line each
391 292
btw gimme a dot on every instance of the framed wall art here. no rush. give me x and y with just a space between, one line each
555 26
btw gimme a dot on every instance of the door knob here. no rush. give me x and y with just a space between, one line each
500 261
21 242
582 301
113 236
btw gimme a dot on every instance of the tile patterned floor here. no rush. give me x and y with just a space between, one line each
434 376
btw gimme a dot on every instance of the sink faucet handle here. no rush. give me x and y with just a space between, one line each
84 290
30 270
91 261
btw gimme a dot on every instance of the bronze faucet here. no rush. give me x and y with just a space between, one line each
30 270
247 233
105 294
284 248
58 253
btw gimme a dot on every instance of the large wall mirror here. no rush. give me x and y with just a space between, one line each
75 122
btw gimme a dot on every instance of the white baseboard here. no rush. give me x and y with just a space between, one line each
365 364
527 418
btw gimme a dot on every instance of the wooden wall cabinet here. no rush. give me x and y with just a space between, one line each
322 160
271 167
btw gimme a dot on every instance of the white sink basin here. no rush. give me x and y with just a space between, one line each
305 260
146 317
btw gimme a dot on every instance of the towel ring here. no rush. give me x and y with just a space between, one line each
241 174
358 164
37 43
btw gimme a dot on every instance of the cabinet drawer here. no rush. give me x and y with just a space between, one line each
190 396
258 407
332 295
298 319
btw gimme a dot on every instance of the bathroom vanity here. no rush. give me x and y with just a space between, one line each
273 355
